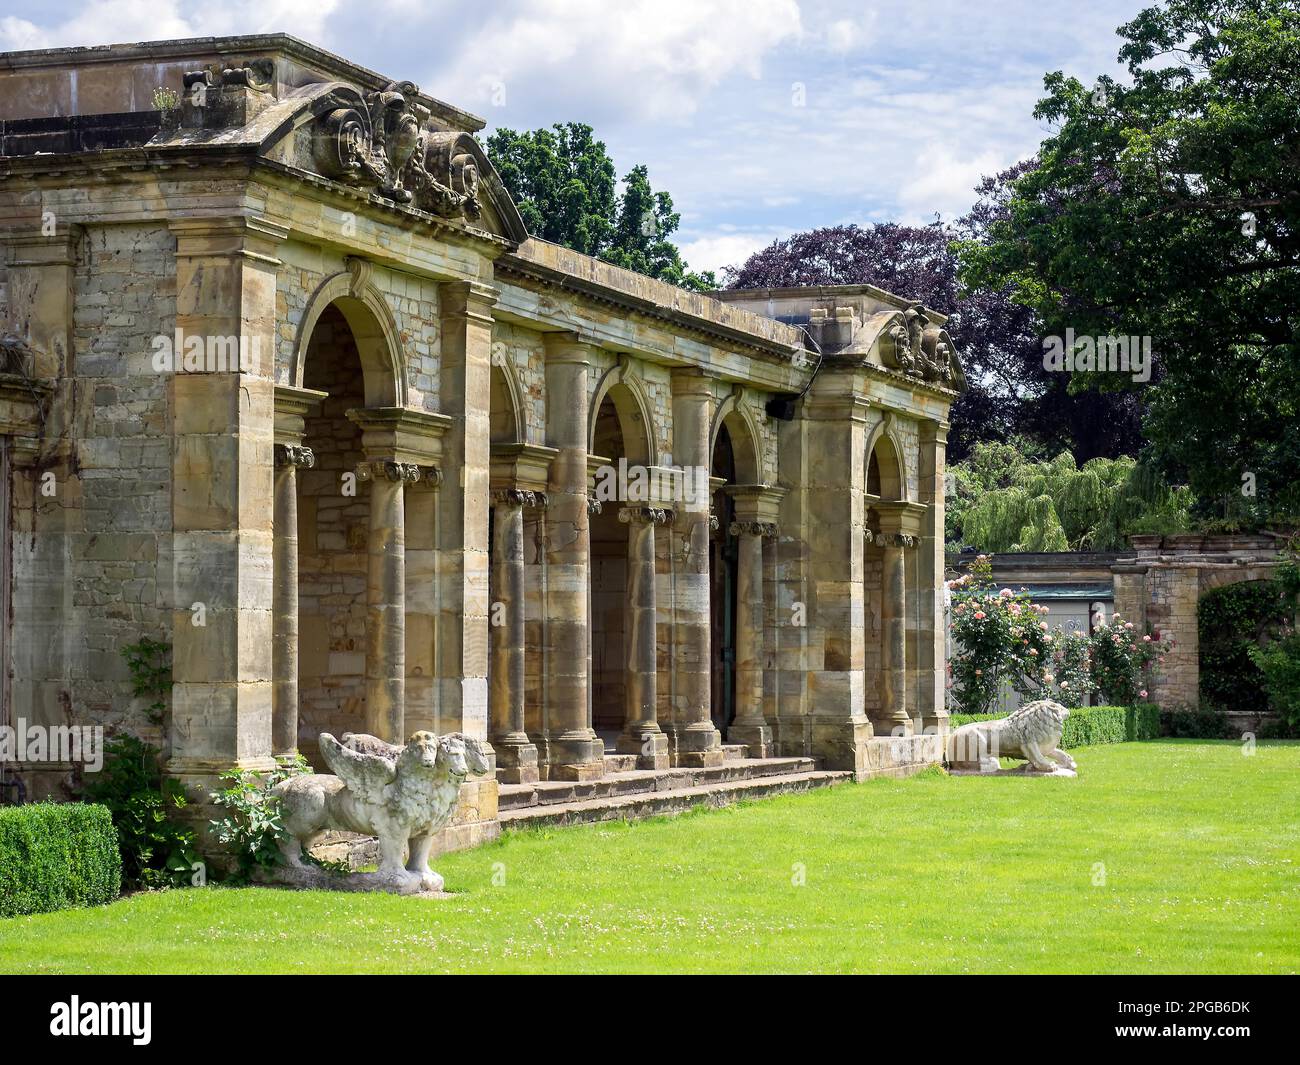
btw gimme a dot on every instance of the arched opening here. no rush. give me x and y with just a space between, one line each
734 461
1231 619
722 585
619 434
884 471
346 356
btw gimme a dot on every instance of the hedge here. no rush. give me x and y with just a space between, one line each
57 855
1088 725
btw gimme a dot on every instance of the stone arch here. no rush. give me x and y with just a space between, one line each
373 327
506 405
630 404
745 437
886 466
1221 576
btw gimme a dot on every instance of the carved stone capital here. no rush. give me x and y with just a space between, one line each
518 497
294 455
891 539
753 528
593 505
403 472
648 515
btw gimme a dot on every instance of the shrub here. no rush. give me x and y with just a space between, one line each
1091 725
1279 664
157 851
1193 723
57 855
1232 622
252 829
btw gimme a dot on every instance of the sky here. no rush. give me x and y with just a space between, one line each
762 118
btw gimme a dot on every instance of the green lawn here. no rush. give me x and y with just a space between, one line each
1200 847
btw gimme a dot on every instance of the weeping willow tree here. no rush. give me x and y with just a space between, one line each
1004 499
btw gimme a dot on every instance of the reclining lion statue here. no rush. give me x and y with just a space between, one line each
1032 732
401 795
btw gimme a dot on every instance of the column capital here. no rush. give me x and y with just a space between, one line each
892 539
644 515
387 470
518 497
753 528
294 455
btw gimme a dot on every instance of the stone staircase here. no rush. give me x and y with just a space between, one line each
625 792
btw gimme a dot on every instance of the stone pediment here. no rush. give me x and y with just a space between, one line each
385 142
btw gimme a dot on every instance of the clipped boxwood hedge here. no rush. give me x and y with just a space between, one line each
57 855
1088 725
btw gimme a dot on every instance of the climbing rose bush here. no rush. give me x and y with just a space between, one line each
1122 660
1001 638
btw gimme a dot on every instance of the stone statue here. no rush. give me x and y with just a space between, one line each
402 795
1032 732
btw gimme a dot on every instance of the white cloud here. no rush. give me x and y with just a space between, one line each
127 21
715 251
651 59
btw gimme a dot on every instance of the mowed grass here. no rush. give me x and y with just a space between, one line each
1173 856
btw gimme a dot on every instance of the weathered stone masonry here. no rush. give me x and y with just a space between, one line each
378 473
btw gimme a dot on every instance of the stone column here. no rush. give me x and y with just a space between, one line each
516 754
642 735
750 727
931 667
386 597
573 750
284 604
893 651
695 741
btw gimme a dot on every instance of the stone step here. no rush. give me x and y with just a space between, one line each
734 752
646 781
620 763
616 807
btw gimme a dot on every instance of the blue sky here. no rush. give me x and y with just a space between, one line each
761 117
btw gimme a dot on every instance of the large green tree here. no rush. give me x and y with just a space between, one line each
1169 207
562 180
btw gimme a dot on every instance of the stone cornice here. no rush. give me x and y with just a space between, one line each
512 265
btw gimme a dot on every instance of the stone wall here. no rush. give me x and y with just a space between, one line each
91 517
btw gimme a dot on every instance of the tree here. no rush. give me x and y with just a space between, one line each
998 339
1006 497
562 180
1170 208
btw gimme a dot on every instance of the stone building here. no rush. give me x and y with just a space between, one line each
288 386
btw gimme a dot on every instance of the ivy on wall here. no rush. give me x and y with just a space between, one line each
1232 620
